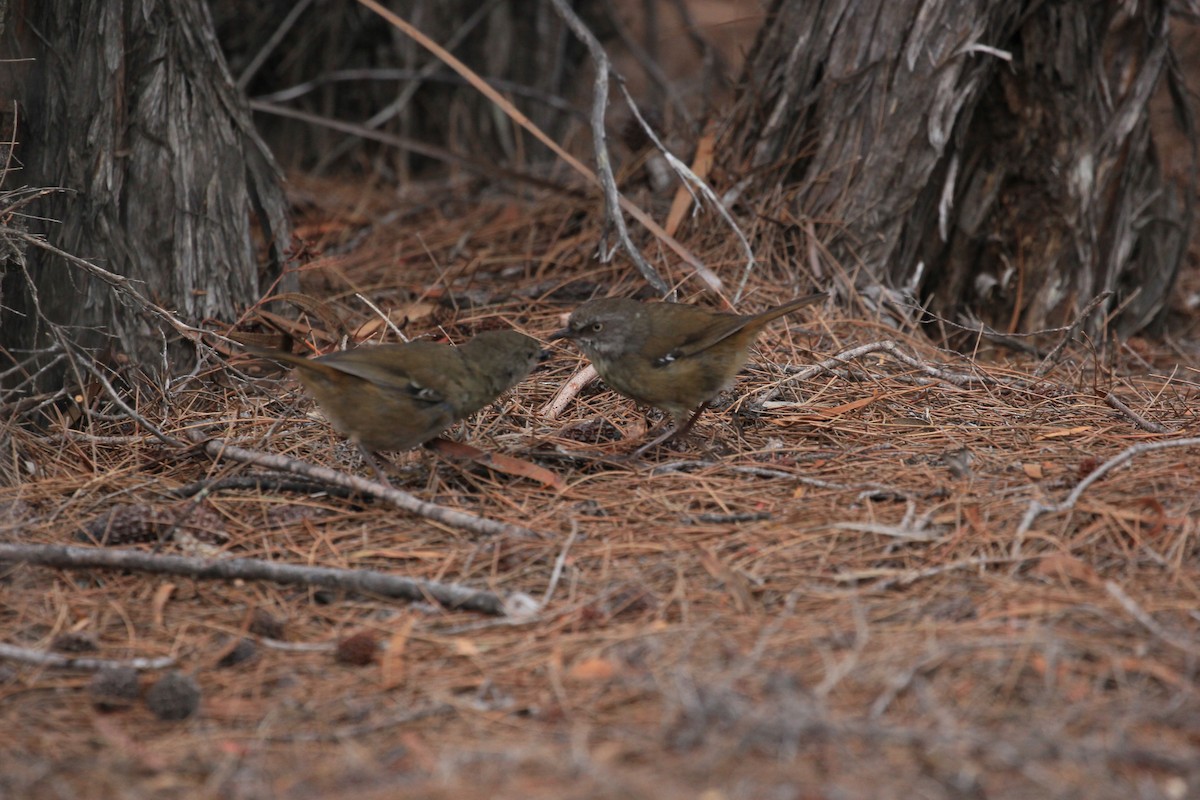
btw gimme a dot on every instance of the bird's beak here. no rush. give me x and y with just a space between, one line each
564 333
543 355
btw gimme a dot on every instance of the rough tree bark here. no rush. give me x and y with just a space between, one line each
1013 189
128 107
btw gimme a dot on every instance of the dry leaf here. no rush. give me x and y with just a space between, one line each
592 669
391 667
409 312
509 465
161 596
465 647
1062 565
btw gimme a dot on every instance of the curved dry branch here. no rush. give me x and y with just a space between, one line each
360 581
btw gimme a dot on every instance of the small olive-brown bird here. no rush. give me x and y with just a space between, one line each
398 396
671 356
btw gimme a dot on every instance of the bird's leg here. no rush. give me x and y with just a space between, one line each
674 432
687 426
369 457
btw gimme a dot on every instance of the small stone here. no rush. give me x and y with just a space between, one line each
174 697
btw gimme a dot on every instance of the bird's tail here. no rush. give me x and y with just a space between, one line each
789 307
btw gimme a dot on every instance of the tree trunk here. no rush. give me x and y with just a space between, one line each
1016 190
129 109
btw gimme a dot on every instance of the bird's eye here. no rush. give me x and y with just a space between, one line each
597 327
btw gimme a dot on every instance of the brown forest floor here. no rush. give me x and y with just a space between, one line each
826 599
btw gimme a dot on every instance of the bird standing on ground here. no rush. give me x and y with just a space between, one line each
672 356
398 396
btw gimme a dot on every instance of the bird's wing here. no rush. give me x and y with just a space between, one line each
406 375
699 328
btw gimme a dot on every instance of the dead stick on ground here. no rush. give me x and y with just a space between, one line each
1136 418
1037 507
1141 615
41 658
402 500
369 582
564 396
217 449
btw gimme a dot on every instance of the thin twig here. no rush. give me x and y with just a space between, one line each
714 63
1142 616
896 578
564 396
1137 419
902 531
683 465
367 582
397 74
489 169
694 183
1069 334
124 286
403 500
648 62
409 90
387 320
559 562
126 409
272 42
608 181
893 350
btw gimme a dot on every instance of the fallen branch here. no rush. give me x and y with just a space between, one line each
217 448
564 396
1136 418
1140 614
1037 507
867 488
367 582
42 658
